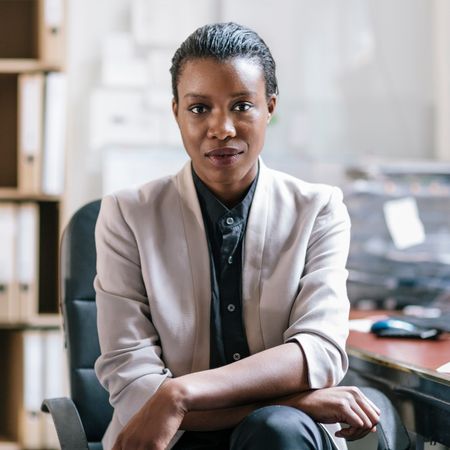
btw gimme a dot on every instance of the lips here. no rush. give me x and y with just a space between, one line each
224 156
223 152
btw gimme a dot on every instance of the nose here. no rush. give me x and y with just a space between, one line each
221 126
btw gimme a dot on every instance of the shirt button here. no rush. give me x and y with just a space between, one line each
230 221
236 356
230 260
231 307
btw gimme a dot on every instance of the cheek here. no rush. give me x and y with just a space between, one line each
189 130
256 127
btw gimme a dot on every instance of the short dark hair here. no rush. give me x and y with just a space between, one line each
223 41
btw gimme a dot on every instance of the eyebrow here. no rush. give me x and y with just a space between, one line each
237 94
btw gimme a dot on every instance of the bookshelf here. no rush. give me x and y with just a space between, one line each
32 147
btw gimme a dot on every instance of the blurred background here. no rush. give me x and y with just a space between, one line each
364 103
85 109
361 82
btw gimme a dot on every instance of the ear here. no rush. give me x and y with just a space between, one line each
271 105
175 109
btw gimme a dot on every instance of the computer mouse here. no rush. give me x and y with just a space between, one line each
401 328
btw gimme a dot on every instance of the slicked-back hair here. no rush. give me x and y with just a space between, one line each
223 41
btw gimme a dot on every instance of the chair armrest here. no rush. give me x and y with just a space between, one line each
67 422
391 432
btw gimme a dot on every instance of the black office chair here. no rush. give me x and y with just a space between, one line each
82 420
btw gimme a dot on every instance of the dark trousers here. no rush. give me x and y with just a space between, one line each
271 428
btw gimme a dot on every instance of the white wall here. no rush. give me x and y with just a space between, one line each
356 76
441 79
88 22
356 80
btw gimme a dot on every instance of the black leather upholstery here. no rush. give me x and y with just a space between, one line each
78 261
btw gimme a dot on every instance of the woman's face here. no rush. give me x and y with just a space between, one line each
222 113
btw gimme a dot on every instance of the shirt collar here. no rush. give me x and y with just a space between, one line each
216 210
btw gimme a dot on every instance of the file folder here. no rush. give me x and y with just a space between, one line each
31 424
31 109
9 308
27 251
54 134
51 31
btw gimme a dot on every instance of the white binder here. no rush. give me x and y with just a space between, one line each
27 254
51 31
31 109
9 309
54 134
31 423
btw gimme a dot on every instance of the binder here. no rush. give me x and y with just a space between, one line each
51 31
55 380
31 98
45 376
27 251
54 134
31 426
8 304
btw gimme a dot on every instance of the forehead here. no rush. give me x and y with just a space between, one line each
205 76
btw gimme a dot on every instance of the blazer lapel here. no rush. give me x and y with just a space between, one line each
198 265
255 238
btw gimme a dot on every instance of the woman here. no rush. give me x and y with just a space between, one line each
221 296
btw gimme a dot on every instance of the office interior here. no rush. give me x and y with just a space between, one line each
364 104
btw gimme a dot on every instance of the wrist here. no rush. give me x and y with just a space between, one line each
175 393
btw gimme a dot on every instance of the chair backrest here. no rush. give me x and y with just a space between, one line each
78 269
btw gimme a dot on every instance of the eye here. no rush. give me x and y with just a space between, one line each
198 109
242 106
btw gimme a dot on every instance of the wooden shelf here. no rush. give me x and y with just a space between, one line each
6 444
15 195
32 132
26 65
41 322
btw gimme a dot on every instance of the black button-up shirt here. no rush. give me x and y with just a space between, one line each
225 230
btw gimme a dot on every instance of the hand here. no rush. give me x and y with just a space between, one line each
155 424
344 404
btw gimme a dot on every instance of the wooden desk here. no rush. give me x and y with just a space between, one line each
405 370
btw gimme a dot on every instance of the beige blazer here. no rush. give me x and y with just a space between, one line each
153 283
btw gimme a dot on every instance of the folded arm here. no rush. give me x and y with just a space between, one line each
272 373
344 404
220 398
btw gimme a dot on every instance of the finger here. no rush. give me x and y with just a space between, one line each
363 408
371 403
353 416
357 433
352 433
355 411
355 436
365 402
368 417
346 433
371 413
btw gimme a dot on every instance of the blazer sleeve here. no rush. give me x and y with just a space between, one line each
130 367
319 317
